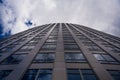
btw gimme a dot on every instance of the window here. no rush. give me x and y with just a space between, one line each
115 74
88 43
74 57
105 58
94 48
7 49
4 73
33 42
73 74
113 48
81 74
88 74
71 47
53 37
45 74
44 57
68 38
14 59
36 74
49 47
30 74
51 40
27 47
69 41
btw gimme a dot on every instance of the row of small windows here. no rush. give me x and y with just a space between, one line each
72 74
70 57
47 57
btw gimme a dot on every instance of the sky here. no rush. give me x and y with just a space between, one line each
20 15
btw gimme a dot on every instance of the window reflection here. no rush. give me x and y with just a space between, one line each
74 57
14 59
105 58
45 57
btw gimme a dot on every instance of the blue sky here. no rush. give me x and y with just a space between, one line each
20 15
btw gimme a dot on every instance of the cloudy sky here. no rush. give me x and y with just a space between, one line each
20 15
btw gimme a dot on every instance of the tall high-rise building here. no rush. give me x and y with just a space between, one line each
60 51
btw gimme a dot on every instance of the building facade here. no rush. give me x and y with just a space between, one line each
60 51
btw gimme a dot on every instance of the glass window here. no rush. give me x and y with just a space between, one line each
115 74
14 59
51 41
69 41
7 49
71 47
4 73
87 71
45 74
27 47
89 77
45 57
94 48
30 74
73 74
68 38
36 74
76 74
108 58
49 47
105 58
113 48
74 57
88 74
99 57
52 37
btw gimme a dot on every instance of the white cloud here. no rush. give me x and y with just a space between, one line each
98 14
49 4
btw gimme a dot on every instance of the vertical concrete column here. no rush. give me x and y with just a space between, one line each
59 65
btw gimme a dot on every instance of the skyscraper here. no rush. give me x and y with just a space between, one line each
60 51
